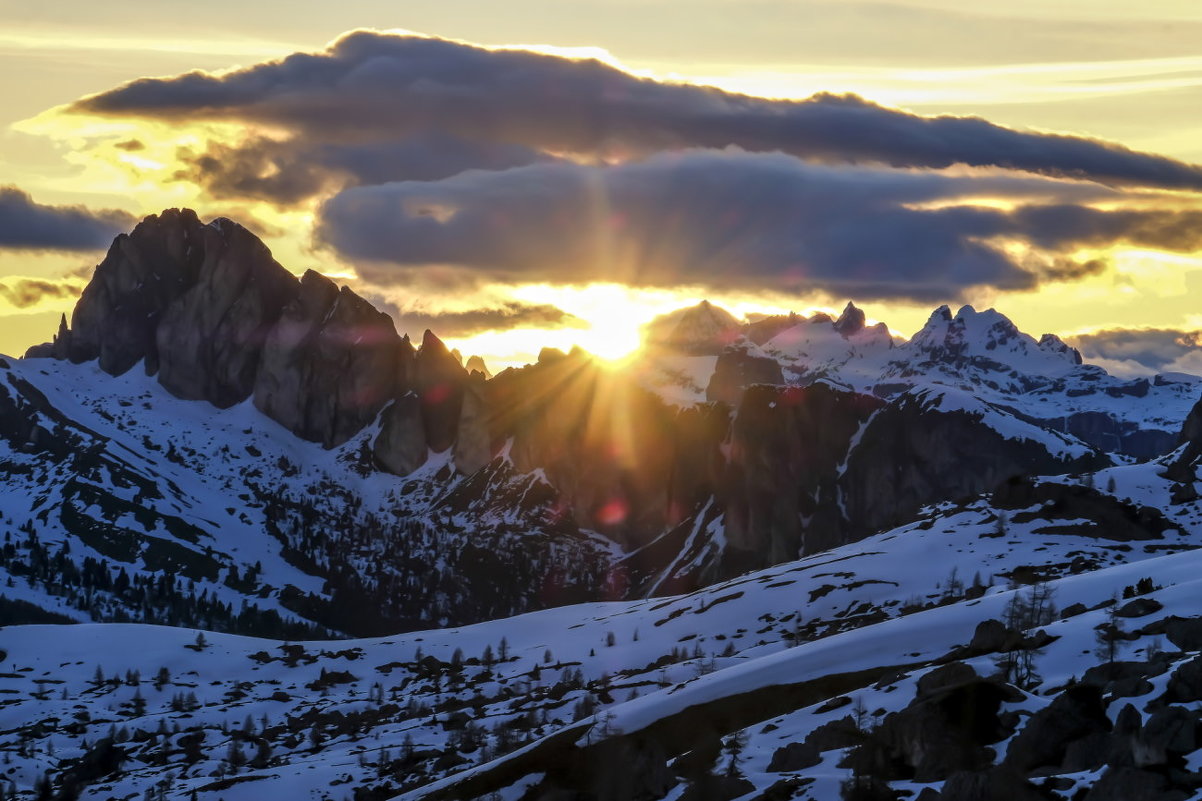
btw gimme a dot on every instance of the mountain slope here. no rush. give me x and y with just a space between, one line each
766 671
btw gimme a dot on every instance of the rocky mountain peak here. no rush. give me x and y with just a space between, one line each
1054 344
850 322
143 272
475 364
703 329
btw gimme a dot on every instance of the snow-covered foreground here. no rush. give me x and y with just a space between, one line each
764 660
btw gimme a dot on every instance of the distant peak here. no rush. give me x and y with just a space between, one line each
476 364
431 343
851 321
1054 344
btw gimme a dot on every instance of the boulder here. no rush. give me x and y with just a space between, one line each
1139 607
1133 784
1043 741
794 756
1185 685
996 784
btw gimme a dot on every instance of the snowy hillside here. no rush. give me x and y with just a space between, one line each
779 679
123 502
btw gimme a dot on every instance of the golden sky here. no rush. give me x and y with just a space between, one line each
1129 74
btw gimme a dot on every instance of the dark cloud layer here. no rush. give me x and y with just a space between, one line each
731 220
458 324
372 87
26 292
25 224
286 172
1154 349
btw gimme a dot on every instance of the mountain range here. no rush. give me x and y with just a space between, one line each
755 561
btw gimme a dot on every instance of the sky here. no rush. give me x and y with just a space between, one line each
532 173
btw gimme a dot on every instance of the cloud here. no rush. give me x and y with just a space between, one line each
26 292
1143 350
369 88
733 220
25 224
457 324
287 172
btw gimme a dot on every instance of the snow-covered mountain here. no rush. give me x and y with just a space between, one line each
979 352
876 660
792 559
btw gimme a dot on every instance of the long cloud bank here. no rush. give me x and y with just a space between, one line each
370 87
734 220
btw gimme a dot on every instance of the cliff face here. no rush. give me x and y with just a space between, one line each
331 363
209 338
118 314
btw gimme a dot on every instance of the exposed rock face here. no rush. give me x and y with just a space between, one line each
119 311
785 447
440 382
331 363
909 455
1054 344
737 369
851 321
765 328
473 446
400 447
209 338
1185 467
475 364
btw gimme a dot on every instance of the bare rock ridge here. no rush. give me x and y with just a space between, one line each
784 470
214 317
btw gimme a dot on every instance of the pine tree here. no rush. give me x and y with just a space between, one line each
1110 636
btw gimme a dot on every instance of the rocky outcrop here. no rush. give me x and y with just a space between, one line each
851 321
1083 509
331 363
117 316
440 382
400 447
911 455
948 728
209 338
783 456
1184 468
1044 742
473 446
738 368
